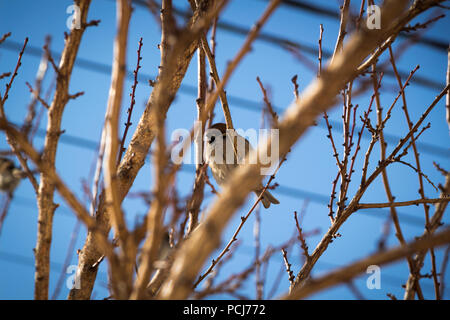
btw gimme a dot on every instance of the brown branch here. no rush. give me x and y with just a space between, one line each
5 75
326 240
50 59
290 273
121 275
317 98
11 141
418 172
416 156
163 93
215 77
401 203
162 179
333 145
132 102
415 9
360 16
36 94
409 123
400 93
430 229
440 169
332 197
11 80
40 75
246 47
294 82
435 275
4 37
375 135
194 203
320 51
46 189
79 210
349 272
342 27
390 197
273 114
328 237
301 237
423 25
231 284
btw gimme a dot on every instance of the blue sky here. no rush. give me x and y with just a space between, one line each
309 169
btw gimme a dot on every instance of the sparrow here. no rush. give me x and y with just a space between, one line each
219 149
10 176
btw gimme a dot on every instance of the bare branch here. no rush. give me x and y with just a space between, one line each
342 27
4 37
430 229
349 272
163 93
121 276
273 114
401 203
317 98
288 267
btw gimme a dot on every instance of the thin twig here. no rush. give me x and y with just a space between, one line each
320 51
273 114
401 203
301 237
132 102
35 93
386 184
14 74
349 272
294 82
4 37
121 273
342 27
290 273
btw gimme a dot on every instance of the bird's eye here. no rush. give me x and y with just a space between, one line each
212 139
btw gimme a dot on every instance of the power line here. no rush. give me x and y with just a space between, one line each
313 50
330 13
301 6
191 90
291 192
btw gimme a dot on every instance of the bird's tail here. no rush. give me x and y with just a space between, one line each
267 198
